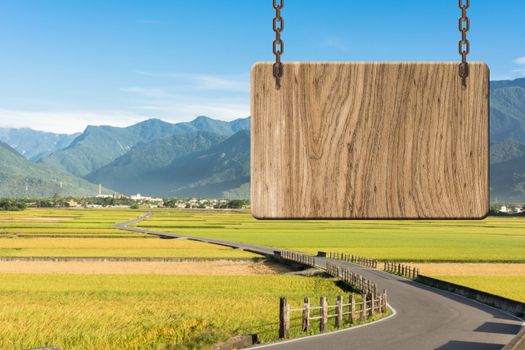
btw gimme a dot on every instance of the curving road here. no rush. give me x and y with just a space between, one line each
426 318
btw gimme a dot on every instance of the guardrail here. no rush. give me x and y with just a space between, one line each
343 313
401 270
360 260
355 280
298 257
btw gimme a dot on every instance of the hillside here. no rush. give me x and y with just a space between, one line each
21 178
34 144
507 180
129 173
221 171
507 114
507 132
98 146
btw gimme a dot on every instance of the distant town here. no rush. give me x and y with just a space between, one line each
118 201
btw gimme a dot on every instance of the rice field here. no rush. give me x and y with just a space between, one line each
115 247
90 233
507 280
489 240
88 312
97 223
512 287
149 307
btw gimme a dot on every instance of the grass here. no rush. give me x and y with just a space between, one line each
507 280
489 240
144 311
512 287
113 247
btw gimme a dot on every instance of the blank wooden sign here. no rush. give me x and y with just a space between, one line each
370 140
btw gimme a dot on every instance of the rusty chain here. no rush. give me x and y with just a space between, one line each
278 45
464 44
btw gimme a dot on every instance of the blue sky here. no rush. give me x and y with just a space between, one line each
65 64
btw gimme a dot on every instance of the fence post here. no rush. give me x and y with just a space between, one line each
306 315
384 301
339 312
352 316
324 314
363 308
373 305
284 318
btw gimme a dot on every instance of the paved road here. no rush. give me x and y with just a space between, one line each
426 318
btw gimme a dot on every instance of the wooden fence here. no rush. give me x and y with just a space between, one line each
298 257
343 313
361 260
355 280
402 270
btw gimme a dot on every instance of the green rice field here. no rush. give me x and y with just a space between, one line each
512 287
489 240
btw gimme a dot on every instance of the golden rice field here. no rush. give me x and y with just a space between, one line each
88 312
149 309
115 247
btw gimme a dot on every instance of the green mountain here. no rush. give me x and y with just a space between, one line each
98 146
129 173
507 132
34 144
507 180
21 178
507 110
220 171
505 150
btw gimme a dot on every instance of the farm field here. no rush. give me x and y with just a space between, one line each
507 280
489 240
115 247
162 305
90 233
144 311
65 223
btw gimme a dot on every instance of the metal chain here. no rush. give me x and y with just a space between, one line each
464 44
278 45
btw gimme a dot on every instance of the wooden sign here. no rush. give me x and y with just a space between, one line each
370 140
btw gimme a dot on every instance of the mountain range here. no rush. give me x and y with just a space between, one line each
204 157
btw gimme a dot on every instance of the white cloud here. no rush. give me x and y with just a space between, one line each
335 43
177 112
65 121
205 82
147 92
520 60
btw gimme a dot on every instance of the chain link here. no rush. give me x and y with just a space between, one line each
278 44
464 44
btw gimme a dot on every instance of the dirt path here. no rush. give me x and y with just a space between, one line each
219 267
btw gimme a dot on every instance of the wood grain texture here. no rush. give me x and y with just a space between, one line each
370 140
